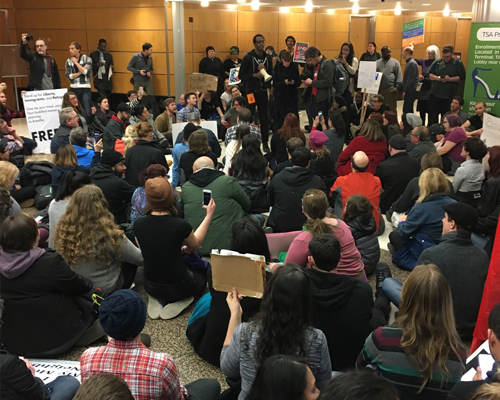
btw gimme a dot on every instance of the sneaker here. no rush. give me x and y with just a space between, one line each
154 307
145 339
266 148
383 271
268 229
172 310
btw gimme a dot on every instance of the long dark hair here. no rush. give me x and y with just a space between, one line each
351 52
407 128
494 161
338 123
249 160
70 182
5 203
248 237
279 378
357 205
284 315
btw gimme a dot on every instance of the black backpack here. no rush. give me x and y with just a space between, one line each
36 173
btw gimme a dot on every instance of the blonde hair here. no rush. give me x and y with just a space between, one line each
489 391
321 153
66 156
8 172
142 130
315 204
129 138
432 181
86 228
427 321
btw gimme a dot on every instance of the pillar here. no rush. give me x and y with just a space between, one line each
486 11
179 47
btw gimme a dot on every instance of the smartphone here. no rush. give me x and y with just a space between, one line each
207 195
141 90
97 136
320 114
341 56
38 219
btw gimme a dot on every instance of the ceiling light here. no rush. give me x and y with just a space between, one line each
241 1
204 3
309 6
255 5
397 10
355 8
426 4
284 9
330 11
373 12
421 14
446 11
231 6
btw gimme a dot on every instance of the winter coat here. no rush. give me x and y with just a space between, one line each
37 69
61 138
141 156
375 151
489 207
364 232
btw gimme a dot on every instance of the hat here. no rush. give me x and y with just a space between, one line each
159 193
3 144
464 215
317 139
111 157
436 129
340 101
413 120
189 129
193 116
398 142
123 315
124 108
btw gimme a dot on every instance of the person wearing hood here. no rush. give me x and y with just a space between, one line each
108 176
145 153
343 307
54 301
340 107
115 129
232 203
287 189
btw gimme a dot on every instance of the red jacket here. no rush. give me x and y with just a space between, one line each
376 152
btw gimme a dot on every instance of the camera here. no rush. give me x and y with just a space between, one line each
29 37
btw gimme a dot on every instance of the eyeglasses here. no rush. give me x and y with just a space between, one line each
72 98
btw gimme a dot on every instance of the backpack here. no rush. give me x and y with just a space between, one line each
43 196
340 78
36 173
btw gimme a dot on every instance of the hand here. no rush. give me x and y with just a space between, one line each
308 82
189 250
93 110
316 121
18 187
75 60
111 66
403 96
439 137
23 37
148 74
223 121
98 146
478 376
420 77
261 66
3 86
197 93
101 64
403 218
446 78
233 301
394 90
22 93
142 72
30 366
342 61
210 208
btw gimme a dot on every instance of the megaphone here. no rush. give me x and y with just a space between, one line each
266 76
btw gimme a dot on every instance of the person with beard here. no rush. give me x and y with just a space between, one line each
102 62
115 129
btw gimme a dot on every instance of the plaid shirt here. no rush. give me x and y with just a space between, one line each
149 375
182 115
231 132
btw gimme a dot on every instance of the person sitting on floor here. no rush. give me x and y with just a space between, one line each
284 314
92 244
235 146
291 145
104 387
420 143
172 276
198 147
451 145
123 317
179 149
318 222
324 164
39 285
84 155
289 129
68 119
213 142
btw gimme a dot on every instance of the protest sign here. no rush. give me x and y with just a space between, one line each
413 32
48 370
491 130
299 53
42 115
367 74
234 78
202 82
179 127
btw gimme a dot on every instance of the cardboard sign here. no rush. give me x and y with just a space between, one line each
48 370
299 52
245 272
202 82
234 78
42 115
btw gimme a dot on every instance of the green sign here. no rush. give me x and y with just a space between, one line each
413 32
483 67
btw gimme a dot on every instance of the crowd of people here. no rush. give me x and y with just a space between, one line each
319 331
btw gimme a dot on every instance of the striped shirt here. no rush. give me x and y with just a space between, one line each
382 351
82 81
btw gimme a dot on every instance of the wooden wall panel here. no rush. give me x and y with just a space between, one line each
245 42
359 34
53 4
206 20
123 3
308 37
126 40
257 22
46 18
332 22
331 41
462 38
59 39
297 22
126 18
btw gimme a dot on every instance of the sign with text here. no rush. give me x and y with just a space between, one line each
42 115
299 53
413 32
202 82
48 370
234 78
482 82
367 74
491 130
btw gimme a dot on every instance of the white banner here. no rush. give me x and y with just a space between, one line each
48 370
42 115
491 130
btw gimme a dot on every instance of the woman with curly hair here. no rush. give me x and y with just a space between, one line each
5 204
92 244
290 129
281 327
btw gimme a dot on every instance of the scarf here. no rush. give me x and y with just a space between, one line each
102 70
48 70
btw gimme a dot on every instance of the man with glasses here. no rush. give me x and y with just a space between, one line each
378 105
68 118
44 73
256 88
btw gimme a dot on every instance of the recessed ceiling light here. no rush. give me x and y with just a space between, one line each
284 9
330 11
255 5
241 1
426 4
355 8
309 6
446 11
397 10
204 3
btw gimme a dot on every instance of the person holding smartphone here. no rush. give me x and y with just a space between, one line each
286 81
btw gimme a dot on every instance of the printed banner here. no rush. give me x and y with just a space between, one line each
234 78
299 53
413 32
48 370
482 82
42 115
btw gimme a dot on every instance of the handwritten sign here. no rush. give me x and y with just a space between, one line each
202 82
491 130
299 53
367 74
48 370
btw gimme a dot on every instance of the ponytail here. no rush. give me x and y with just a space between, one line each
317 227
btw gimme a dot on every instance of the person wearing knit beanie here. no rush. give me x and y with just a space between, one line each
159 194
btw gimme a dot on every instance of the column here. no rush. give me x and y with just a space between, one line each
486 11
179 47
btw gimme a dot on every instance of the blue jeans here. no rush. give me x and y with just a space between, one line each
392 289
479 240
63 387
85 98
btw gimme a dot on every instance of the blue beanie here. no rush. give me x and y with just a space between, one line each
123 315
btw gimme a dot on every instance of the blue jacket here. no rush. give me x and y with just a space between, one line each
84 155
425 218
177 152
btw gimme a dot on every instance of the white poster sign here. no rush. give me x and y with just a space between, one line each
234 78
179 127
367 74
42 115
491 130
48 370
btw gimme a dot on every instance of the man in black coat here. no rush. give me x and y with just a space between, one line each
68 118
396 172
115 129
108 176
286 191
102 62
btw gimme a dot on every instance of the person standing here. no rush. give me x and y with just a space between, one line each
44 73
256 88
141 66
391 78
286 81
102 63
410 80
445 73
350 63
425 90
78 68
371 53
234 60
290 46
212 65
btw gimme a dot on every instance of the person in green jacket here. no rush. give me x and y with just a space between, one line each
232 203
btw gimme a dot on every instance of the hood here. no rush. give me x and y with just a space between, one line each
296 176
330 291
205 177
81 151
14 264
363 224
101 171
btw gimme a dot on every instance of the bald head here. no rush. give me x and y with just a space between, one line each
360 162
203 162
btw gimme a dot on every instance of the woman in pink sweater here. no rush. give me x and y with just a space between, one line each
314 206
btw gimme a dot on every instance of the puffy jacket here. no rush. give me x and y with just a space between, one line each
364 231
141 156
